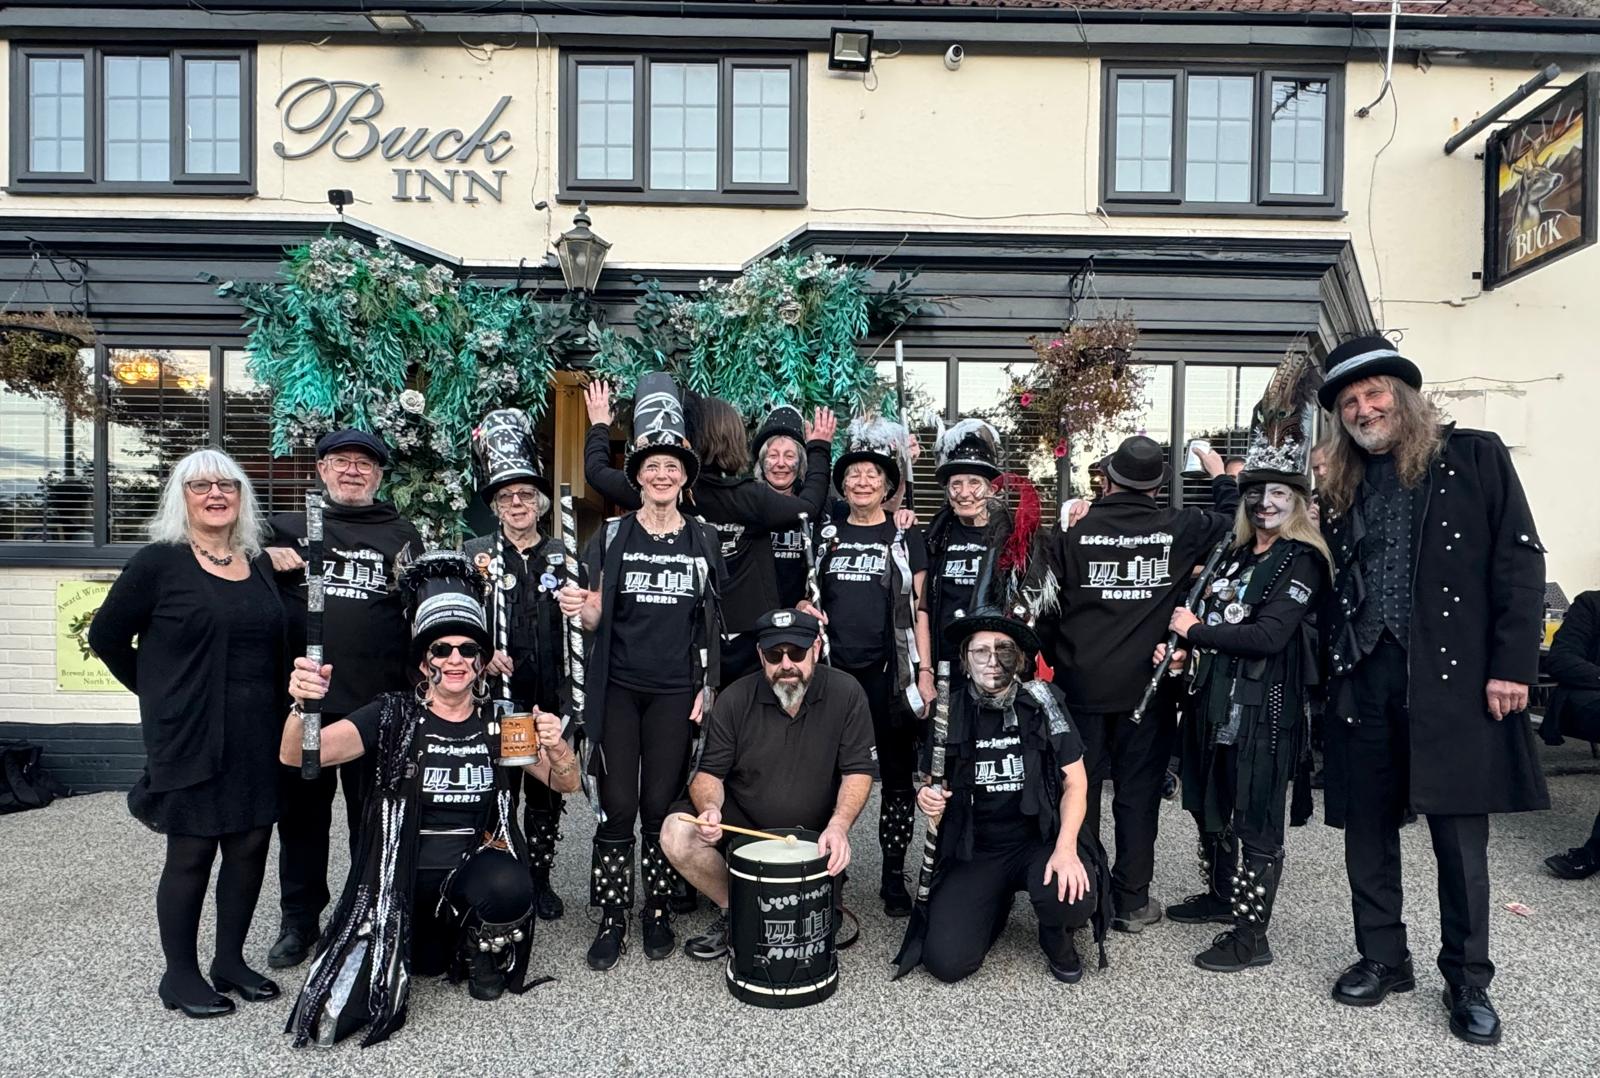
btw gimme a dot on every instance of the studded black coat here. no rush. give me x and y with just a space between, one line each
1477 609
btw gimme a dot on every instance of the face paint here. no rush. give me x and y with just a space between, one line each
1268 505
992 663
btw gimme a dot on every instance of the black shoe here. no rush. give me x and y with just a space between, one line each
712 943
486 981
293 947
1068 968
685 899
250 985
1578 863
1136 921
1366 983
659 942
214 1006
611 941
1472 1016
896 899
1170 785
547 905
1202 909
1233 951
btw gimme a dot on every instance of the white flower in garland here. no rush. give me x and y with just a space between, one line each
413 401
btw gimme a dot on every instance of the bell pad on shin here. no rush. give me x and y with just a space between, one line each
611 877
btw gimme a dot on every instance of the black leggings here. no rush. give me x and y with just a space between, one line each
972 899
181 894
490 885
893 728
646 747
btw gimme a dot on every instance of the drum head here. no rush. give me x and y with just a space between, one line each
768 852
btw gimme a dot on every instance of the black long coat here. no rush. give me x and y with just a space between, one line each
1477 613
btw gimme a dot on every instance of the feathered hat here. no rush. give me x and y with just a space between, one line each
444 597
660 426
1016 585
1281 428
880 441
506 452
968 447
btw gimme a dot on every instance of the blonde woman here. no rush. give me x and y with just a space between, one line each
208 668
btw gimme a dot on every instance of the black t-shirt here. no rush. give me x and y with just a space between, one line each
789 563
783 771
958 573
997 783
652 625
854 581
457 783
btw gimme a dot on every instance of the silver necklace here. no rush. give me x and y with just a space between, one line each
212 558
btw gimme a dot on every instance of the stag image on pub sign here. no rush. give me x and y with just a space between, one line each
1542 179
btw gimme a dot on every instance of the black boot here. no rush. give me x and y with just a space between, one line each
487 953
896 816
1245 945
657 874
611 889
1217 866
1061 953
542 829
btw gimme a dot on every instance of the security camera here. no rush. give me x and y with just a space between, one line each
953 57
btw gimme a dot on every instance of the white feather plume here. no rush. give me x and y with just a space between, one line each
958 432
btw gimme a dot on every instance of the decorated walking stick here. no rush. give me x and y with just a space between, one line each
910 500
916 928
311 710
813 587
1196 593
516 734
575 694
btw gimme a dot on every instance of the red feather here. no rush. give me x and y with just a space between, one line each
1024 520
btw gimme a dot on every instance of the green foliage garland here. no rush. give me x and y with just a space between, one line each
784 331
355 336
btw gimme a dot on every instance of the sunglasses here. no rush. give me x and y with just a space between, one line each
441 650
793 652
203 486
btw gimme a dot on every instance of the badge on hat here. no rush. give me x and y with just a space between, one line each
782 619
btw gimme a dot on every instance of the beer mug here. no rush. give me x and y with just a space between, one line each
519 741
1191 462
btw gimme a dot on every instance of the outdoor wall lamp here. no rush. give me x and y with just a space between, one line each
849 50
392 22
582 254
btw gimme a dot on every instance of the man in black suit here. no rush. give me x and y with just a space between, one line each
1574 662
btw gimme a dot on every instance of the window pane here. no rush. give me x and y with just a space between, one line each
1144 135
46 470
55 113
211 114
1299 131
1217 402
280 482
1217 165
761 125
605 122
158 411
137 101
683 126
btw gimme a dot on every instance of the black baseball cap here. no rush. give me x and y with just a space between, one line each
350 438
787 627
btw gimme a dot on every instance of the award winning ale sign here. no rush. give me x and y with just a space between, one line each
1540 182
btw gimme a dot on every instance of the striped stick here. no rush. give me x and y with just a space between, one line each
941 730
576 697
316 585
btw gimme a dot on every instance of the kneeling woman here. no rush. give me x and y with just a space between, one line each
1010 818
439 882
1254 661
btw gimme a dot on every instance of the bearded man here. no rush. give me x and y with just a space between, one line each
1432 639
787 746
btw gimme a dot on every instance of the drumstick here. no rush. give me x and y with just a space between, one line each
686 818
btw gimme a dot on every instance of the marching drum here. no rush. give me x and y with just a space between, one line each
781 916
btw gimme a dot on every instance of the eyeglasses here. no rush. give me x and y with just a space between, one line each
440 650
203 486
359 465
516 497
1004 654
793 652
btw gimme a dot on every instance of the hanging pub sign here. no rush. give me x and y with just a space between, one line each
1540 180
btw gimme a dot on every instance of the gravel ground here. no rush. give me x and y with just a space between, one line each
79 962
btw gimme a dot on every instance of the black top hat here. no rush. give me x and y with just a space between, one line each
1138 464
970 447
784 421
444 598
876 440
506 452
1363 357
659 426
1281 425
350 438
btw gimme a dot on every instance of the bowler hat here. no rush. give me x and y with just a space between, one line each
1138 464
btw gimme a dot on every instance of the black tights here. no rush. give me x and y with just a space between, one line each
182 893
647 743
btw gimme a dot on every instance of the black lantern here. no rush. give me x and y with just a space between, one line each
582 254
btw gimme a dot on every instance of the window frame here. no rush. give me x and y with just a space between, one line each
91 181
1328 205
636 189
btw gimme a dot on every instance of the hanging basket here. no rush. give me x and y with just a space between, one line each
39 358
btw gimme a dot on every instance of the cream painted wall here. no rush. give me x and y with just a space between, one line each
1003 144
